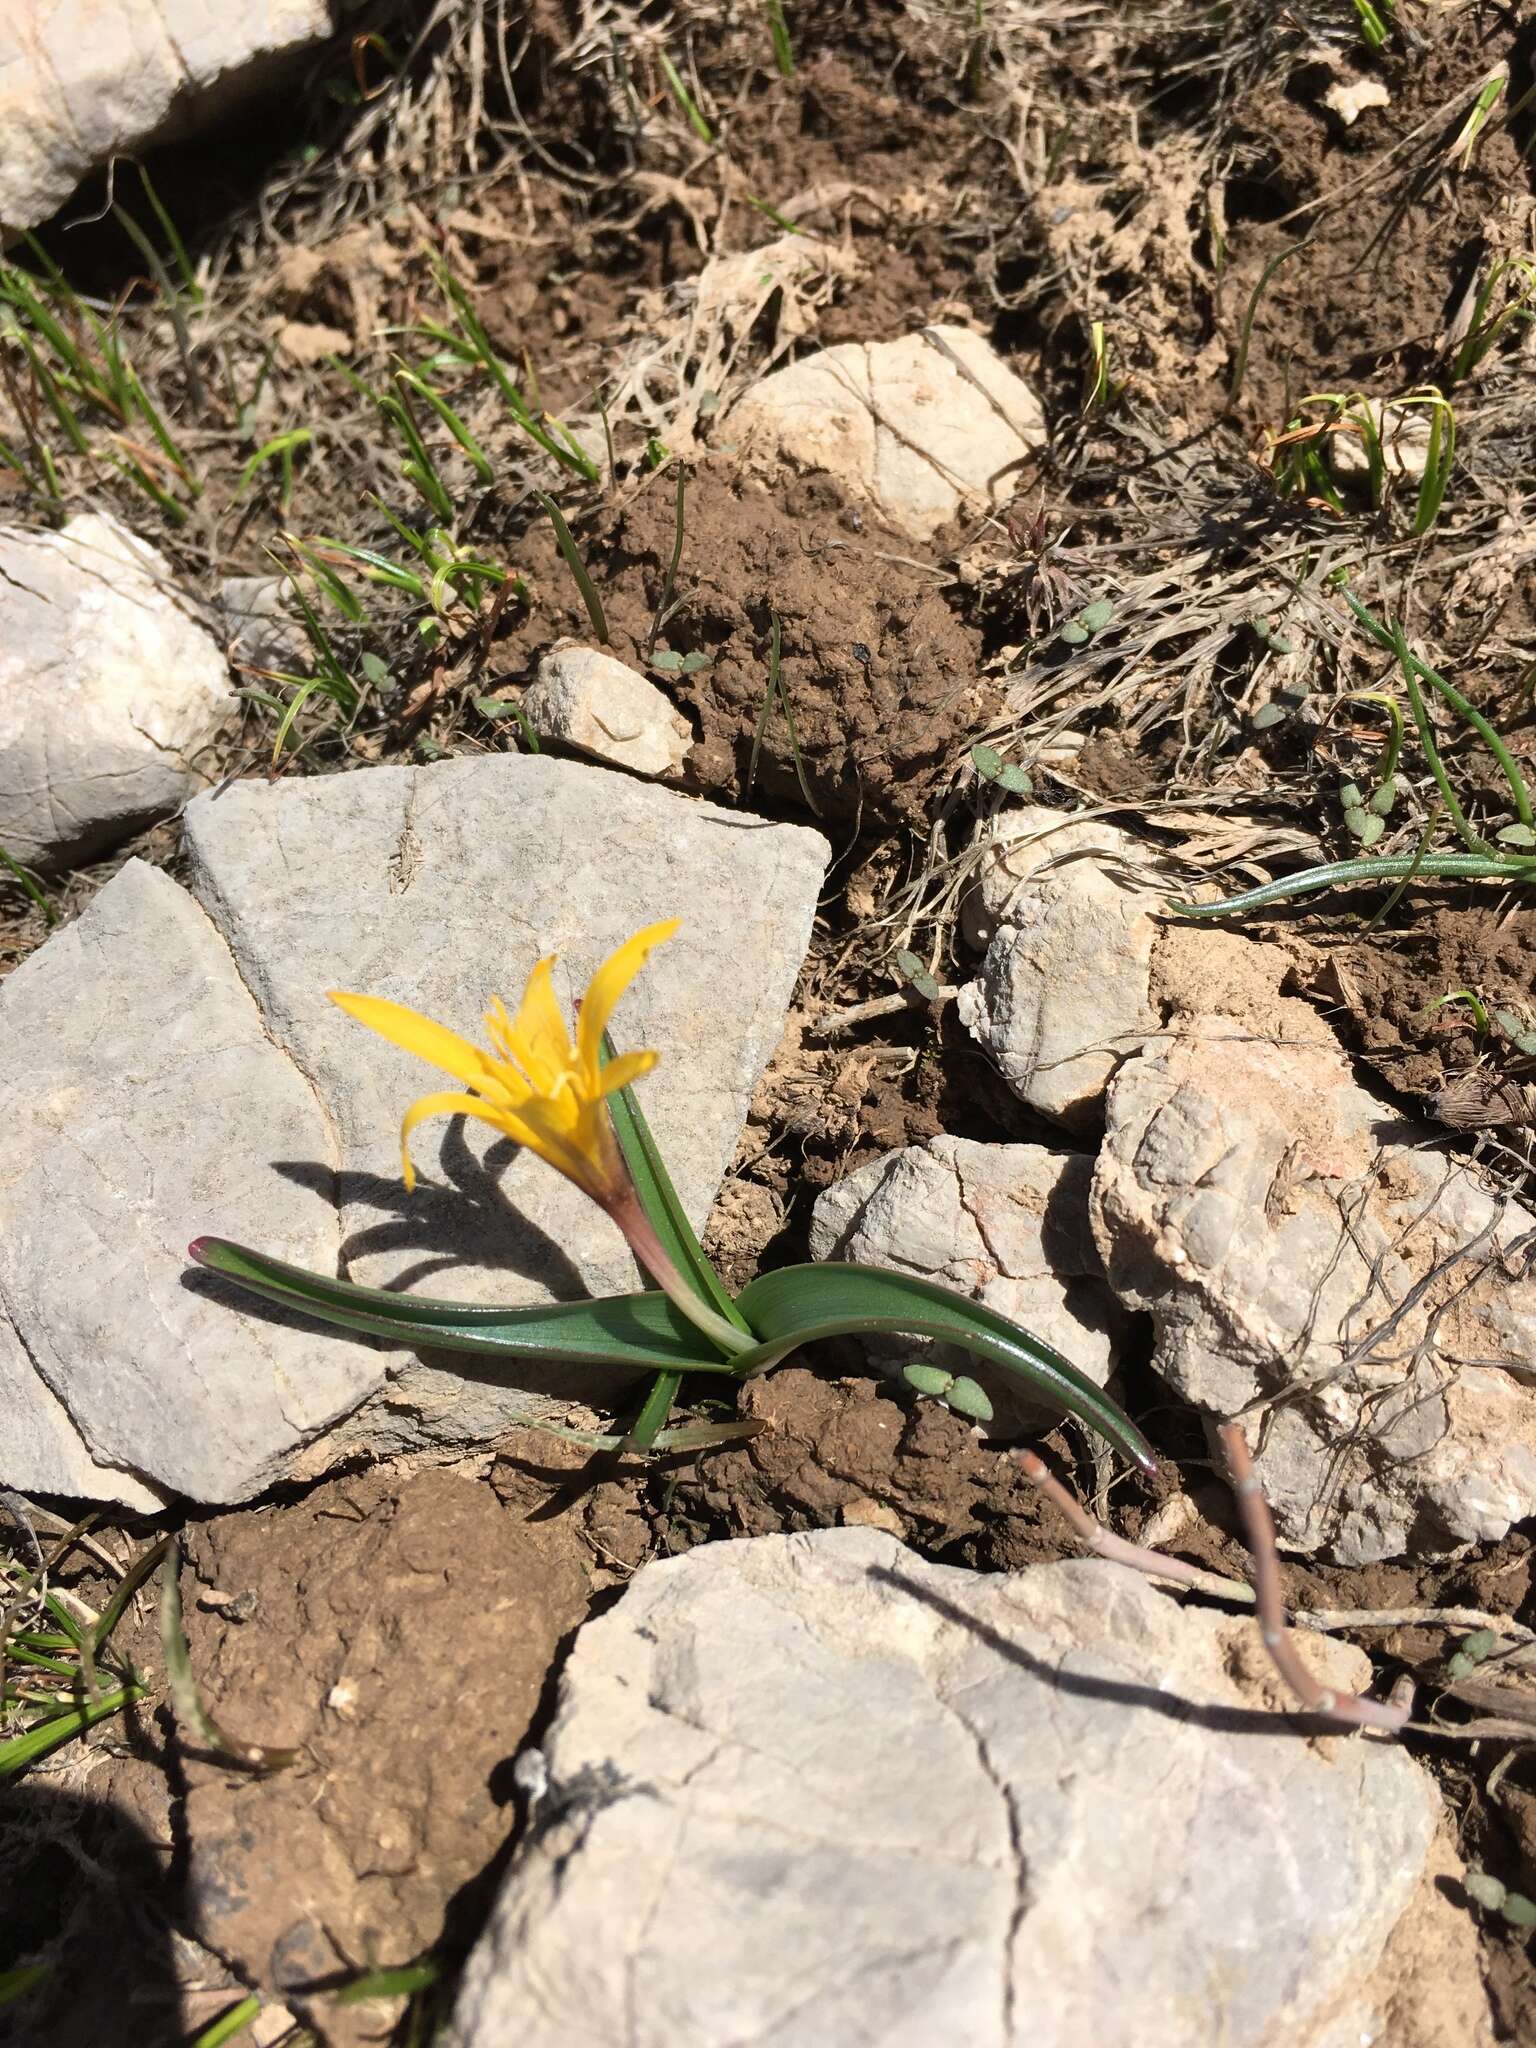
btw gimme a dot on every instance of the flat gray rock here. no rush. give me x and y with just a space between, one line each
808 1791
922 428
1062 995
109 690
174 1069
601 707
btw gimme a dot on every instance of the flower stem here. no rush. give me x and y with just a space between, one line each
630 1216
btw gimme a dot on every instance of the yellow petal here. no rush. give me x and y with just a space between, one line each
445 1105
412 1032
608 984
583 1148
629 1066
538 1039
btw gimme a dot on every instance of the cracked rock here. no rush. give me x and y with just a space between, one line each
1310 1259
599 706
922 429
83 85
109 690
1005 1224
1063 994
812 1789
173 1068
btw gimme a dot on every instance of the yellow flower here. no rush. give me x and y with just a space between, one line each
536 1086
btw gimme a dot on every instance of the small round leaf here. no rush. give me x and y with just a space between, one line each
928 1379
1485 1890
967 1398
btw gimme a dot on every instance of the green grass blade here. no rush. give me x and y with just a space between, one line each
654 1410
577 567
798 1304
28 883
17 1983
403 1982
23 1750
660 1201
684 98
232 2021
450 419
1240 363
271 451
778 30
1438 462
1445 867
632 1332
149 1561
173 240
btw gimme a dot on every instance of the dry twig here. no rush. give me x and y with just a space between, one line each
1259 1527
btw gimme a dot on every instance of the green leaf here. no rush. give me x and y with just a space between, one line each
660 1201
631 1332
966 1398
928 1379
1268 715
667 661
1485 1890
1074 634
1516 835
1350 796
376 670
917 976
798 1304
22 1750
1385 796
1097 616
987 762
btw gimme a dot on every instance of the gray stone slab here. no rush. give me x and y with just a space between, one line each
813 1790
144 1103
174 1068
110 691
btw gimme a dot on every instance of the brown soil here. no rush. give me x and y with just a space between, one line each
1390 984
879 673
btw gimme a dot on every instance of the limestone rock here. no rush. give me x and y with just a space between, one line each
84 80
1006 1224
1296 1243
173 1068
812 1789
108 690
602 707
922 429
1063 993
1402 429
260 626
